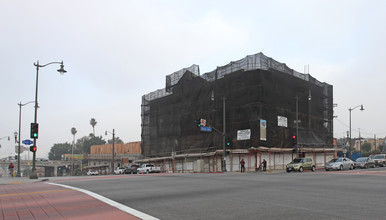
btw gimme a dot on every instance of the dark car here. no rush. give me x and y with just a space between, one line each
131 169
364 162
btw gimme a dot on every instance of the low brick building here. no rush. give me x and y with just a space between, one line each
100 156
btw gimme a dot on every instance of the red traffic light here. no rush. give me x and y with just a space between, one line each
294 137
33 148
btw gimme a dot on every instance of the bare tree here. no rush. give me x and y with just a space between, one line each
93 122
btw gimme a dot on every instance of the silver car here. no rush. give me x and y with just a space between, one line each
340 163
364 162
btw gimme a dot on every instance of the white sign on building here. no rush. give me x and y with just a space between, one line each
244 134
282 121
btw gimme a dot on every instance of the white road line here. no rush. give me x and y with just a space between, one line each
124 208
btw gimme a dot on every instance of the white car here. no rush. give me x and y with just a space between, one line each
339 164
119 170
92 172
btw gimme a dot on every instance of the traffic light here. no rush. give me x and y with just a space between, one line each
197 122
294 140
33 148
34 130
228 142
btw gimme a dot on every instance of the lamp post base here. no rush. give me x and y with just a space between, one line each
18 174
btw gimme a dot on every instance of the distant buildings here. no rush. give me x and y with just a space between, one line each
100 156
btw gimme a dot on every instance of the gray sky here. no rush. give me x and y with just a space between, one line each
117 51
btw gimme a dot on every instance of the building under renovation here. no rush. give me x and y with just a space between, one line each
263 106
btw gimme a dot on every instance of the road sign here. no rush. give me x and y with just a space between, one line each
27 142
208 129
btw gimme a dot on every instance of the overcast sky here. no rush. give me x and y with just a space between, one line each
117 51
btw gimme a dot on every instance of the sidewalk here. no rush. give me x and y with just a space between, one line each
22 198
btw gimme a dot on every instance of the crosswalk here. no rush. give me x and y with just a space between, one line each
356 172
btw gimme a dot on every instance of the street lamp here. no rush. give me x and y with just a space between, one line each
212 97
17 140
3 138
297 119
112 162
73 132
350 109
61 71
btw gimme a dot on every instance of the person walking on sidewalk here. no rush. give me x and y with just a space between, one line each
242 163
264 163
10 167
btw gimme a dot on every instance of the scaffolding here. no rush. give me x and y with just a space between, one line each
250 63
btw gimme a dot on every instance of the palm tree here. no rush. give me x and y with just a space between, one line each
93 122
73 132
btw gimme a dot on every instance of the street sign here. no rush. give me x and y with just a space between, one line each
203 122
207 129
27 142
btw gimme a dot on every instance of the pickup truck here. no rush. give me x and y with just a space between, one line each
148 168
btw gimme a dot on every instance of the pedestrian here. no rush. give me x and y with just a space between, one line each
264 163
10 167
242 163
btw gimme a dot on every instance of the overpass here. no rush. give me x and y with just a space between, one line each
44 168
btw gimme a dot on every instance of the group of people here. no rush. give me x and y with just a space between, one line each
263 165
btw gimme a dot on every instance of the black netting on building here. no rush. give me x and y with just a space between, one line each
254 88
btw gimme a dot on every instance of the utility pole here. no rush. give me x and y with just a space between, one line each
223 133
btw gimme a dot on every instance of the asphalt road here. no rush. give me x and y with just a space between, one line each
358 194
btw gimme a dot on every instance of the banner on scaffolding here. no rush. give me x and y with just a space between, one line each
263 130
282 121
244 134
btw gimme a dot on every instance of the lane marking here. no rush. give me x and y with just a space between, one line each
115 204
51 191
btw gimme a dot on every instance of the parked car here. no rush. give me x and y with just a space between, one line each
339 164
380 160
92 172
149 168
364 162
131 169
119 170
300 164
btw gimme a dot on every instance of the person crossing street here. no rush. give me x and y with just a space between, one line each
242 163
10 168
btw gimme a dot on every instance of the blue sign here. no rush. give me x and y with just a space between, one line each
27 142
208 129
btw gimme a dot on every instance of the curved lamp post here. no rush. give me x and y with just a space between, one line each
3 138
350 109
61 71
112 162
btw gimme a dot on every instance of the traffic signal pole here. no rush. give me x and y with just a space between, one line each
34 174
297 126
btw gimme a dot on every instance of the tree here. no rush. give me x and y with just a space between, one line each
83 144
381 148
58 150
117 140
73 132
366 147
93 122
